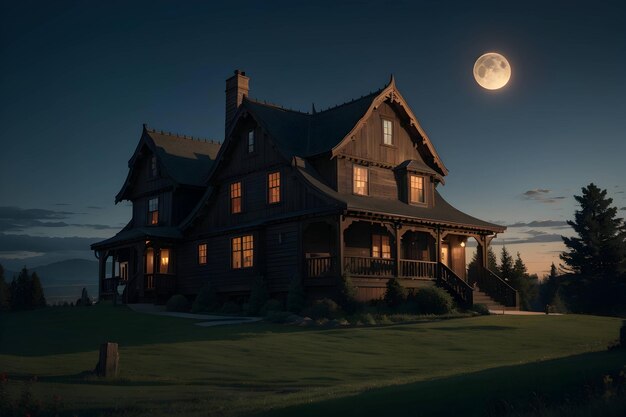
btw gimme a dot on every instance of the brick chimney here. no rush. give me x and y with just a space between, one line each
236 88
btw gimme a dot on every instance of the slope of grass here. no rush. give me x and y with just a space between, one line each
168 365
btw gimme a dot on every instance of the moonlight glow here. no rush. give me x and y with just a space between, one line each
492 71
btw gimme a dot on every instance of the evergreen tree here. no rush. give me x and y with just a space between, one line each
37 299
21 291
549 286
506 264
5 300
597 256
473 269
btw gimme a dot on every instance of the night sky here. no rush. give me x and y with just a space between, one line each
78 79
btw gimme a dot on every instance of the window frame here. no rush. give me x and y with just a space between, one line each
153 215
355 168
251 141
202 252
153 167
168 262
384 135
424 178
238 198
276 186
380 242
242 252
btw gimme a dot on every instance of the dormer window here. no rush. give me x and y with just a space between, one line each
154 168
387 132
417 194
153 211
360 180
251 141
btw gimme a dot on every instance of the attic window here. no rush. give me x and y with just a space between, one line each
153 211
154 168
273 187
251 141
416 189
387 132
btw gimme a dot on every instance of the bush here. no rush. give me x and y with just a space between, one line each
433 300
481 309
230 308
323 309
258 297
296 299
347 295
280 317
395 293
270 306
178 303
206 300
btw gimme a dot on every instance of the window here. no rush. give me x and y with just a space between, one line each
416 189
202 251
242 250
273 187
387 132
381 247
235 197
149 261
153 211
124 271
154 168
251 141
164 264
360 180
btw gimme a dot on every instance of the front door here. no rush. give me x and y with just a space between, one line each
445 254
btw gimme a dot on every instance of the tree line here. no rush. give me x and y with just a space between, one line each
23 293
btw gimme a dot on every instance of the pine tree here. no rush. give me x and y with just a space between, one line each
5 301
21 290
506 264
37 298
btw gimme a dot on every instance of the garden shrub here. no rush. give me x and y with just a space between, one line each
323 309
433 300
258 297
296 299
230 307
178 303
206 300
395 294
481 309
280 317
270 306
348 294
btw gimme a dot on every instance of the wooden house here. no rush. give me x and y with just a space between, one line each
291 195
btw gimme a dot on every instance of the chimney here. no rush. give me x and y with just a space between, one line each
236 89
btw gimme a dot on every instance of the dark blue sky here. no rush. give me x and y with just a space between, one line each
79 78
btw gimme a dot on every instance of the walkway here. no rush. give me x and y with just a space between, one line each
522 313
211 320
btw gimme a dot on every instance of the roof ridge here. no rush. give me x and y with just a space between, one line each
277 106
181 136
371 93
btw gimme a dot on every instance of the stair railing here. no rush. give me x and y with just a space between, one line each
496 288
461 290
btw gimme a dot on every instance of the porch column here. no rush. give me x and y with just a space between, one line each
102 264
398 232
341 227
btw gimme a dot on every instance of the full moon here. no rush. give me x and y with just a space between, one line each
492 71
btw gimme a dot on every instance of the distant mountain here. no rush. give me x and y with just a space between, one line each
64 280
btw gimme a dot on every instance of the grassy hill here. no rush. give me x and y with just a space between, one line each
171 367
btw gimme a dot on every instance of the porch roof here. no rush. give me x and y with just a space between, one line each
442 212
139 233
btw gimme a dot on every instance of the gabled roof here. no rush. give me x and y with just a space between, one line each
128 234
185 160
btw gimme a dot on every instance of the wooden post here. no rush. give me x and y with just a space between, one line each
108 363
398 230
101 271
340 245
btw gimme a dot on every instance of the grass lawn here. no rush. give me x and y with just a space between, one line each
169 366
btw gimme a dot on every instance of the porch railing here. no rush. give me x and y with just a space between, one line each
378 267
109 285
461 290
495 287
161 283
320 266
417 269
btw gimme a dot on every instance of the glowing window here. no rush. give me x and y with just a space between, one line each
381 247
153 211
164 264
387 132
360 180
235 197
273 187
202 253
242 250
416 189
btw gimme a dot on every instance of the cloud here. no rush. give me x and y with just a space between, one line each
27 243
622 208
11 212
536 232
15 219
62 204
537 238
95 207
541 223
541 195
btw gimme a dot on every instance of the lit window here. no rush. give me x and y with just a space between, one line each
251 141
124 271
273 187
202 251
381 247
154 169
149 261
153 210
235 197
416 190
387 132
164 264
359 184
242 250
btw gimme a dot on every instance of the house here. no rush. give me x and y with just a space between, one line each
353 189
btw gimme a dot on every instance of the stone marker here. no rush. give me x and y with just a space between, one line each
108 363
